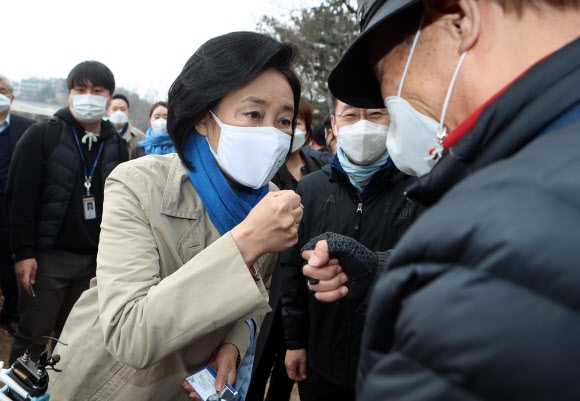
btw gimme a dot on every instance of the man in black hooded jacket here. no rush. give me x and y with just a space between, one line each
55 203
479 300
358 192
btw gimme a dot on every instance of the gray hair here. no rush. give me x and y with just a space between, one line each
8 82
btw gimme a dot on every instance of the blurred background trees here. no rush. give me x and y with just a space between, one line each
322 33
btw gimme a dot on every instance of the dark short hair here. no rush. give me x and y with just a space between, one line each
305 112
94 72
326 122
122 97
220 66
155 105
318 134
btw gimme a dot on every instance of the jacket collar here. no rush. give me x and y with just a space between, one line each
509 123
180 199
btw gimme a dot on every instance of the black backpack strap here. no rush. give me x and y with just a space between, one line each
53 130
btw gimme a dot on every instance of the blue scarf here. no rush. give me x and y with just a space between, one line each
360 176
226 209
157 144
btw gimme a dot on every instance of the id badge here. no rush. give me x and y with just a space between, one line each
89 207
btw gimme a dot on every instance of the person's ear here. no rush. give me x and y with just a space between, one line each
468 24
202 126
333 125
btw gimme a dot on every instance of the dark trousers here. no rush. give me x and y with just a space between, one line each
270 364
61 278
8 283
317 388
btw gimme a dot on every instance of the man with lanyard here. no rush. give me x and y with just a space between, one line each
12 127
55 198
479 300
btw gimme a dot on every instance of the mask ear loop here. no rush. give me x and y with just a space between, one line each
410 55
442 130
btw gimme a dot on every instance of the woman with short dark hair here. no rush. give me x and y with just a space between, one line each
188 240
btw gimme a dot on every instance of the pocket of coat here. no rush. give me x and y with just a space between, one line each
111 383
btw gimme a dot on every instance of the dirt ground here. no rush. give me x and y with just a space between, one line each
5 340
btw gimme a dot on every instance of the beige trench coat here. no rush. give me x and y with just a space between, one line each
168 291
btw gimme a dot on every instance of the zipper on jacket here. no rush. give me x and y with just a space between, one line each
359 211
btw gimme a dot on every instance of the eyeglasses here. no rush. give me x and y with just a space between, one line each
375 116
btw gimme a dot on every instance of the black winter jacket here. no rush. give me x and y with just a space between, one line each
46 186
481 299
331 333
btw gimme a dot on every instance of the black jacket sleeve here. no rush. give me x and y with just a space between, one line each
294 298
24 185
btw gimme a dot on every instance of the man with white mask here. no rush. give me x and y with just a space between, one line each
479 300
358 194
119 112
12 126
54 200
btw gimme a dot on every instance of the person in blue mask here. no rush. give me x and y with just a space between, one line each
157 141
358 192
189 239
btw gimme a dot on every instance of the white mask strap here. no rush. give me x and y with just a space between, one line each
410 55
448 96
441 130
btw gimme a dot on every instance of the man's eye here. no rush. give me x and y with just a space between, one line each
350 116
286 122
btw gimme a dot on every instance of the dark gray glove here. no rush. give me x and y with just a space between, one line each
358 262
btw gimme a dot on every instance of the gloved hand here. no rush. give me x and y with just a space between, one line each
357 261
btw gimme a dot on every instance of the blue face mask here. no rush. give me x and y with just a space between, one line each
360 176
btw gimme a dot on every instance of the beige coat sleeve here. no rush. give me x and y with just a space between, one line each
240 333
144 318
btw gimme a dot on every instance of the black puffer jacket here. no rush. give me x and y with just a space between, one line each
46 186
331 333
482 297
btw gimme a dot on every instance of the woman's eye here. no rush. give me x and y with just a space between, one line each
254 115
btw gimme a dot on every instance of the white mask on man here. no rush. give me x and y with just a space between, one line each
251 156
4 103
119 118
363 142
89 108
298 140
413 135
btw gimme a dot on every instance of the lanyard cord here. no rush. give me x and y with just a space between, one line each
88 177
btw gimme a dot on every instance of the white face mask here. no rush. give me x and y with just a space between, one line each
251 155
4 103
89 108
119 118
363 142
413 135
299 140
159 126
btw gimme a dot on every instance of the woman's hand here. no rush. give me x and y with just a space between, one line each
223 361
271 226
